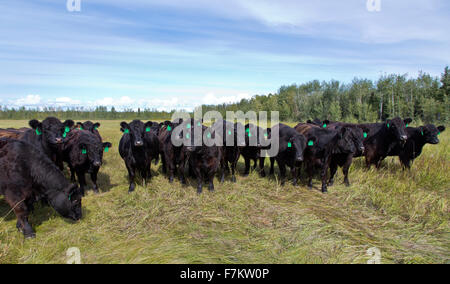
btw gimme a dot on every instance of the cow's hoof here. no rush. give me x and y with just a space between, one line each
324 190
211 188
347 183
330 183
30 236
262 174
233 179
171 180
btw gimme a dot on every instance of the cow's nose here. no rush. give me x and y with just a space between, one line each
362 149
403 137
139 143
299 159
97 163
190 149
59 140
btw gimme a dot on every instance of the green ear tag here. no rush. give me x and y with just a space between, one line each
65 135
188 126
310 143
169 128
266 135
147 129
247 130
106 149
324 126
188 136
388 125
406 125
70 197
439 133
67 130
229 132
421 132
249 134
289 145
199 124
208 135
81 127
84 151
365 134
127 131
96 128
38 132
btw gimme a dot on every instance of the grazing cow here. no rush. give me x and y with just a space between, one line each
417 138
170 154
253 152
27 175
138 147
382 138
344 160
291 151
232 145
83 151
326 143
204 161
91 127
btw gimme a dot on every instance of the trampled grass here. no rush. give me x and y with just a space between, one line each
405 214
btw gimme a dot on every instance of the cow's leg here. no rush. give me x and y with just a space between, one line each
164 165
282 167
262 172
310 172
247 167
94 175
346 168
272 166
198 173
233 167
72 174
255 164
131 177
323 175
22 211
294 175
333 170
82 181
211 183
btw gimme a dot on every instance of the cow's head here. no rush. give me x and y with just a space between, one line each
91 149
397 128
89 126
296 144
68 202
192 130
137 131
52 130
358 135
345 142
430 133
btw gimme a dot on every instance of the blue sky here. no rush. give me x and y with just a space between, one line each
179 54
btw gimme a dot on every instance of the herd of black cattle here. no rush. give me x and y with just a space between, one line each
32 159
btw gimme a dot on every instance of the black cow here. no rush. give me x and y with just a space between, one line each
91 127
323 144
232 143
252 151
83 151
417 138
170 154
204 161
138 147
291 151
27 175
48 136
344 160
382 138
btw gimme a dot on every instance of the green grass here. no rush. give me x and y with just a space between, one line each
403 213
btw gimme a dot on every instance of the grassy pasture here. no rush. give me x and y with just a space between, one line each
403 213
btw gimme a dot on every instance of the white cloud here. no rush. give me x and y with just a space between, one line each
213 99
30 100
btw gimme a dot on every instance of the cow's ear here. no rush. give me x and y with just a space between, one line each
148 126
124 126
407 121
107 145
366 132
97 125
388 123
421 130
325 123
309 121
69 123
82 146
441 128
80 125
35 124
269 132
311 141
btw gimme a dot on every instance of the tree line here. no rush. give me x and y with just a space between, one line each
425 99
